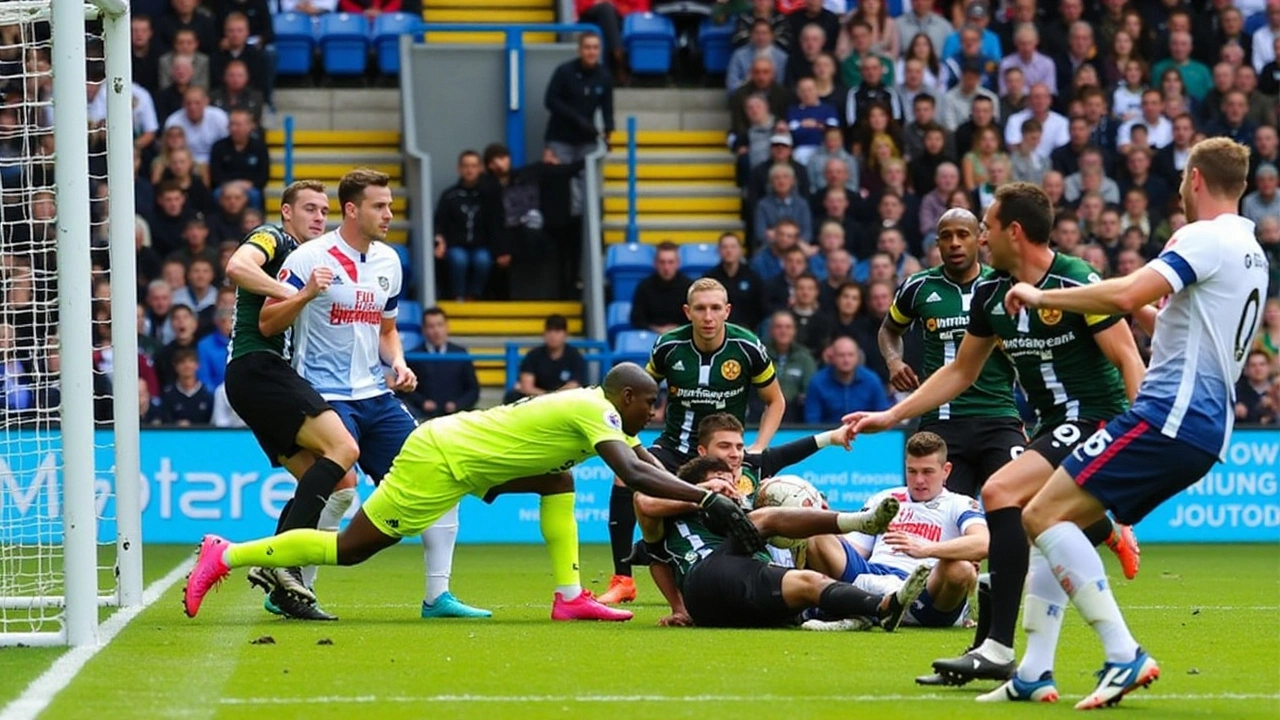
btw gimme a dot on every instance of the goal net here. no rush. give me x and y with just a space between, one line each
69 542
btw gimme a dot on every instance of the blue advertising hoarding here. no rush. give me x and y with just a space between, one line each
200 481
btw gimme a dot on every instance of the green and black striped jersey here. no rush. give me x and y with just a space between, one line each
246 338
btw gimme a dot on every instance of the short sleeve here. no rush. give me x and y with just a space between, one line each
392 308
657 365
761 366
296 269
979 322
902 311
599 421
266 242
1186 261
966 512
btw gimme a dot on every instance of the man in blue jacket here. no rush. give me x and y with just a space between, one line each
842 385
444 386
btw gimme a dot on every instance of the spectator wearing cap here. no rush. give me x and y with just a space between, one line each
763 81
553 365
1036 67
977 16
782 202
1264 201
813 13
921 19
241 156
958 102
761 44
658 302
1054 128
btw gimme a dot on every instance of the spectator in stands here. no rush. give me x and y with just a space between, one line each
752 146
807 120
184 322
1092 165
832 150
743 284
1066 159
174 272
971 54
658 303
814 327
145 124
183 171
226 222
235 46
150 412
860 35
767 262
959 99
1081 50
1266 149
607 15
1223 77
826 77
1234 122
831 238
1254 403
235 93
1194 73
224 416
814 13
762 10
444 386
199 294
170 219
1014 99
468 224
309 7
552 366
800 63
945 181
203 125
1054 128
187 15
835 209
15 384
1138 165
873 90
1027 165
921 19
1262 106
915 80
186 401
982 117
897 212
184 46
146 260
256 12
780 289
1036 67
976 18
155 320
782 202
976 165
144 54
371 9
1137 213
1159 128
924 116
763 81
793 362
760 45
1265 201
884 31
578 89
240 156
169 100
211 350
843 387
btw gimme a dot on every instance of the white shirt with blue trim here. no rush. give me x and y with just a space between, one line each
336 337
946 517
1203 334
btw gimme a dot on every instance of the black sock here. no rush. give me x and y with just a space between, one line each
1008 560
284 513
984 614
314 488
842 600
622 527
1099 531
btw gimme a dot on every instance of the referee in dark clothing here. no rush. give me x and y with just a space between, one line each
576 91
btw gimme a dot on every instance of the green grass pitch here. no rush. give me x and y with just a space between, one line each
1210 615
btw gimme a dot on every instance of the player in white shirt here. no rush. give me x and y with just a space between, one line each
1215 275
342 338
935 528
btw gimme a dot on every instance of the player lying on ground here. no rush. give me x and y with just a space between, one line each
934 528
711 581
294 425
1077 370
526 447
1180 424
342 339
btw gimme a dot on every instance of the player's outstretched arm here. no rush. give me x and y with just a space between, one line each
1117 296
772 460
941 387
775 406
1116 342
244 269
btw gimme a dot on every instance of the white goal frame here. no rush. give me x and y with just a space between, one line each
81 598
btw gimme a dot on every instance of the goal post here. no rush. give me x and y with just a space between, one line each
71 473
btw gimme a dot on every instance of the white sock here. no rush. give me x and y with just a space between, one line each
569 592
438 542
330 517
996 652
1041 617
1079 570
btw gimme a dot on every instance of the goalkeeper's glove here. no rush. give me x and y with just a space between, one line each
725 517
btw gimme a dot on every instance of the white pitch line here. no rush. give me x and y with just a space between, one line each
45 688
502 699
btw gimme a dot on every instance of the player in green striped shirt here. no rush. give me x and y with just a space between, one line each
1077 371
982 426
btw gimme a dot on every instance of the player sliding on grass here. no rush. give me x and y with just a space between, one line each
526 447
1180 424
711 581
935 528
1076 369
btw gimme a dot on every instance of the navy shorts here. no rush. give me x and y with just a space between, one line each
380 425
922 613
1131 468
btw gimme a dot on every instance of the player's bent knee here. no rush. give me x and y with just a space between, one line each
803 587
998 493
958 573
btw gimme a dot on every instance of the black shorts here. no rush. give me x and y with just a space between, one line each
1056 443
273 400
670 459
730 588
977 448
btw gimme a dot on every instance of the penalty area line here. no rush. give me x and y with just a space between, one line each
503 699
45 688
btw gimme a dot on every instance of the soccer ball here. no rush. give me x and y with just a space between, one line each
789 491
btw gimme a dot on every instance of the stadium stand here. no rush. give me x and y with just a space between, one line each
488 12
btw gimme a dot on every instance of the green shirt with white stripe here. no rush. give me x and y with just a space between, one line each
1066 376
941 306
688 540
699 384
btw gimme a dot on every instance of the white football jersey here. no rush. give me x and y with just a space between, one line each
946 517
1203 334
335 339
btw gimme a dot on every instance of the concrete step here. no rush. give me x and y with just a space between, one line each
713 188
705 204
647 156
669 99
352 157
671 138
689 171
703 221
336 138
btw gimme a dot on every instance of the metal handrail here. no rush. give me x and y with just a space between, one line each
633 233
288 150
592 239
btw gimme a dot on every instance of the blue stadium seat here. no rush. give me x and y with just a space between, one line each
696 260
1253 24
625 266
633 346
387 29
713 40
410 312
618 318
406 263
650 41
295 43
344 43
411 340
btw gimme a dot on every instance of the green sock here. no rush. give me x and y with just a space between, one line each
560 533
294 548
